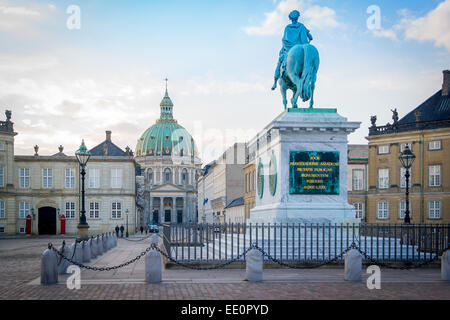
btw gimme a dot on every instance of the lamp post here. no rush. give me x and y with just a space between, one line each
407 159
83 156
126 212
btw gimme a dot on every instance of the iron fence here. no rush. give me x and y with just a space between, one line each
293 242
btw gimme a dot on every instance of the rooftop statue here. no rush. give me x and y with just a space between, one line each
298 63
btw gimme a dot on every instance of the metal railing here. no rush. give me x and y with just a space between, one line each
293 242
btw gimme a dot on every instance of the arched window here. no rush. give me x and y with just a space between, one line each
167 175
150 176
184 177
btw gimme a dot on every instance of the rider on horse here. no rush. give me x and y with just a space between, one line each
295 33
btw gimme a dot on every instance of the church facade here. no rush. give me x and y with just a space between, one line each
169 166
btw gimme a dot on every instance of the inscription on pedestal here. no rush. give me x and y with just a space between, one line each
314 172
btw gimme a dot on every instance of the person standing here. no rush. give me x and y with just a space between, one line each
117 230
121 231
142 229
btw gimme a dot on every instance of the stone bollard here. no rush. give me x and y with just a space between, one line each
86 252
78 255
155 240
49 269
153 267
445 265
254 268
93 245
110 241
105 243
353 265
63 263
99 246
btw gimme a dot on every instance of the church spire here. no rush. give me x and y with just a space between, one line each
166 107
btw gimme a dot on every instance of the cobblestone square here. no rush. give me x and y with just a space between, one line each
20 272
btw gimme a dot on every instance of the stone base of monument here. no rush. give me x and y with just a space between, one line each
307 213
300 159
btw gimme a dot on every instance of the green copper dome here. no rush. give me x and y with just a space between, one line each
166 137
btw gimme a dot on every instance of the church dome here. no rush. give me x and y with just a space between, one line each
166 136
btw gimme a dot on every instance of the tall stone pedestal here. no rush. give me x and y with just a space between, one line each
301 168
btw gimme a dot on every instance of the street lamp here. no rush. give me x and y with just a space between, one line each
407 159
83 156
126 212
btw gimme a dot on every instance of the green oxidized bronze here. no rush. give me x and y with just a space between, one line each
273 174
314 172
260 179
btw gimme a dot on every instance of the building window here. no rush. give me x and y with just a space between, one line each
167 175
21 229
434 209
94 210
94 178
434 145
2 229
24 210
47 178
184 177
116 178
402 209
434 175
404 144
70 210
384 149
70 179
403 179
24 177
383 210
2 177
150 176
116 210
359 208
383 178
2 209
357 179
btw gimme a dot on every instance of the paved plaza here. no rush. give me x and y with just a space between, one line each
20 271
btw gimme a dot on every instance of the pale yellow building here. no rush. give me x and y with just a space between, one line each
46 187
426 130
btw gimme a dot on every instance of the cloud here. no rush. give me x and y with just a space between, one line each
14 17
313 15
433 27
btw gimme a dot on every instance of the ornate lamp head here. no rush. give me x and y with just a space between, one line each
83 154
407 157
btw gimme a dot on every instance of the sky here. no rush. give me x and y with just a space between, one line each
70 73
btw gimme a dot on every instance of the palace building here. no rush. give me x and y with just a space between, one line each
426 130
47 188
169 167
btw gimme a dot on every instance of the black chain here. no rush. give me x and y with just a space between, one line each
140 239
291 266
101 268
219 266
405 266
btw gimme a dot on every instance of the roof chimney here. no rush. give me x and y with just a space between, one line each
108 135
446 83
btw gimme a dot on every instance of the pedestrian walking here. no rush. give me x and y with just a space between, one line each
121 231
117 230
142 229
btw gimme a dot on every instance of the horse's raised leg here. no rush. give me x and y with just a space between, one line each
296 80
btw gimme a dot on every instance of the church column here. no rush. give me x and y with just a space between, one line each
161 209
174 209
184 209
150 217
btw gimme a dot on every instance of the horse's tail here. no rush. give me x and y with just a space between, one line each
310 67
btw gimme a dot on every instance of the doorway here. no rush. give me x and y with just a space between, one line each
47 220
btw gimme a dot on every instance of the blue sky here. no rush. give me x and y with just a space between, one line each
64 85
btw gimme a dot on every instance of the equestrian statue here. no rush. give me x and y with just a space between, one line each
298 63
